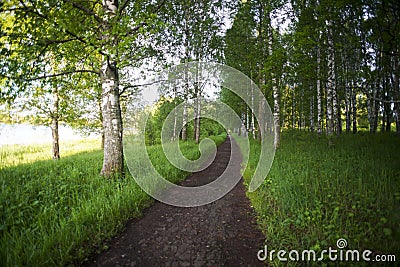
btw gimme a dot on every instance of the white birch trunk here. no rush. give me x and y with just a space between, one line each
113 161
175 117
312 125
347 108
354 110
330 88
54 124
184 122
319 96
396 85
186 86
253 129
275 92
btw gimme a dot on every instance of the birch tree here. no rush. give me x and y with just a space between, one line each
80 32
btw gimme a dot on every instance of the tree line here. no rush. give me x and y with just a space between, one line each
333 67
55 51
325 66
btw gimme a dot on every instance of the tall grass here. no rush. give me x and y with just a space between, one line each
55 213
11 155
316 193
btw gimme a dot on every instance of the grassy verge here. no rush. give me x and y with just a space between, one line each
56 212
316 194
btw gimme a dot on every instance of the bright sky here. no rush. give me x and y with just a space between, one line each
29 134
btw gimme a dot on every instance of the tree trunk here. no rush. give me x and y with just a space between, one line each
184 122
112 121
197 137
101 121
331 85
113 161
54 114
253 128
195 113
275 92
293 108
185 98
372 108
186 77
312 126
354 109
301 113
397 118
396 90
260 133
175 116
261 122
319 97
383 123
347 108
55 137
388 118
335 97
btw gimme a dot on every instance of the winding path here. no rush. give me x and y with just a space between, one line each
223 233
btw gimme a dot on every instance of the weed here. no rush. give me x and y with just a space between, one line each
316 193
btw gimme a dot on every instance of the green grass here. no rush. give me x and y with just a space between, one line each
11 155
316 193
55 213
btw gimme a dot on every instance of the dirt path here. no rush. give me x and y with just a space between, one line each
223 233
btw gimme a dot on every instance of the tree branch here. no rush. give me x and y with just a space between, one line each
124 5
82 40
50 75
86 10
50 42
139 85
135 29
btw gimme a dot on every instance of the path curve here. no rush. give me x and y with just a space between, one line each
222 233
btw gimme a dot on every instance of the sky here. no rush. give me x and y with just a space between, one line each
28 134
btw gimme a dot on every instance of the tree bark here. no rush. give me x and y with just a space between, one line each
184 122
261 104
174 135
373 109
54 114
319 97
101 121
293 107
331 85
275 92
113 161
253 128
396 89
347 108
312 125
197 137
112 121
55 137
354 109
54 124
186 77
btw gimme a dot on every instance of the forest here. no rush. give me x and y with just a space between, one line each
328 70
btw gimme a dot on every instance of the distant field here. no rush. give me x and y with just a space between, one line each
56 212
316 194
12 155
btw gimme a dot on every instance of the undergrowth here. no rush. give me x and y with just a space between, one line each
56 213
316 193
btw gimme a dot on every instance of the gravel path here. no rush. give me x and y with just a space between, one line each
223 233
